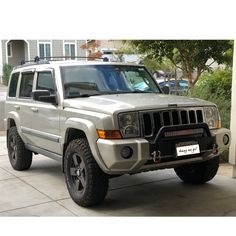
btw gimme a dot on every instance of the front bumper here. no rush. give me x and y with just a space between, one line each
142 159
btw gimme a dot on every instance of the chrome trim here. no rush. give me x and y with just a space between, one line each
43 135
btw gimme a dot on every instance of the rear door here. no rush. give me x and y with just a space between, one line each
24 103
45 116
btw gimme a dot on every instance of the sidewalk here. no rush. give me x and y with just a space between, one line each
41 191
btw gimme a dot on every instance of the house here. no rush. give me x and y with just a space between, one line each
14 51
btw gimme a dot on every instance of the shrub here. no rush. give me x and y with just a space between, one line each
7 69
216 87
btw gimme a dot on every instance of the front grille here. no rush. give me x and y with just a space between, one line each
152 121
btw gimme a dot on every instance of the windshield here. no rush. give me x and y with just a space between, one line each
106 79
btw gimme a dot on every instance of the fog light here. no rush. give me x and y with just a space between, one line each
126 152
226 139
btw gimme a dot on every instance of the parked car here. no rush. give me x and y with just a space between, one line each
110 54
177 87
102 120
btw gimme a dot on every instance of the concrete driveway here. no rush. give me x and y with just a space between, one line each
41 191
3 93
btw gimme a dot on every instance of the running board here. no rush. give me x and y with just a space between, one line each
44 152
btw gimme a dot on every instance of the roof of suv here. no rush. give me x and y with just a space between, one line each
67 63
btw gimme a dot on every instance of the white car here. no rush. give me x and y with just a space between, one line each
99 121
110 54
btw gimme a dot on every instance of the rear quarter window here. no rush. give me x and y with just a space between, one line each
13 85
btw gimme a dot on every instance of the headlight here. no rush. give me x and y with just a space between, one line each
129 124
212 117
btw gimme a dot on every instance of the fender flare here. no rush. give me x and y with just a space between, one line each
14 116
91 134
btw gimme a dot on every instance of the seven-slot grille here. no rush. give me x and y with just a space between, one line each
152 121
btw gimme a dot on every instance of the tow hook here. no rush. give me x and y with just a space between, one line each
215 149
156 156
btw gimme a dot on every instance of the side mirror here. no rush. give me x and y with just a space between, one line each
166 90
44 96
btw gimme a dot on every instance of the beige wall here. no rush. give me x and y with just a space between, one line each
111 44
18 52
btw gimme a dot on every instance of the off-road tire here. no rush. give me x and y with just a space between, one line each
198 173
78 156
19 157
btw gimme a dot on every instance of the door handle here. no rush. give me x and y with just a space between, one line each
17 107
34 109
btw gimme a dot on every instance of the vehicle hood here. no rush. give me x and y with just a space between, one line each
131 102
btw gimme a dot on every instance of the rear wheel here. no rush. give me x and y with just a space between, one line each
86 182
20 157
198 173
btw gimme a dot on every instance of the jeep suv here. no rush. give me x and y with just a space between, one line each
102 119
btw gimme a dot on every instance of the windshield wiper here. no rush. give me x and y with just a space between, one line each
83 95
138 91
86 95
141 91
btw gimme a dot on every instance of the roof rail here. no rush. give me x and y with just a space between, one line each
45 60
36 59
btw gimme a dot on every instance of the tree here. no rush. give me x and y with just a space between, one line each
191 56
92 47
155 65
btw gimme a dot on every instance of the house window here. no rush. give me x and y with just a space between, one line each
9 49
44 50
69 50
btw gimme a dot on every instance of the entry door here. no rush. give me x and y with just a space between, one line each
45 116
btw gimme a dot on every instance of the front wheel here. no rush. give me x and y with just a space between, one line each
86 182
198 173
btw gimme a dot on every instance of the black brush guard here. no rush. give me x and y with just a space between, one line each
165 144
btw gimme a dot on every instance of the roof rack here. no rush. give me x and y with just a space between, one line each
37 59
45 60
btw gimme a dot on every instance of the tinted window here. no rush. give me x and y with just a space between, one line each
26 85
45 82
106 79
13 85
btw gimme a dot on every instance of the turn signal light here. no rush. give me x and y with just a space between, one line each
218 124
109 134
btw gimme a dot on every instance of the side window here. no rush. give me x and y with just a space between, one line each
45 82
26 85
13 85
